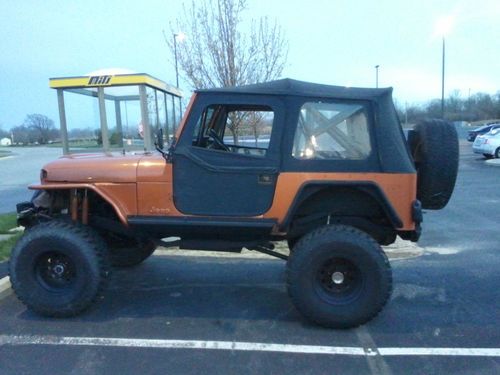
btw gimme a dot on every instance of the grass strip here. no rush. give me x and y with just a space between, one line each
7 222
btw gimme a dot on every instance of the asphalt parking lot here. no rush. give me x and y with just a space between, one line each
195 314
19 170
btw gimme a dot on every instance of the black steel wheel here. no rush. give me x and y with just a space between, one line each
338 276
58 268
339 281
55 271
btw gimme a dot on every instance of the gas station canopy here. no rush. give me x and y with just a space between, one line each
131 107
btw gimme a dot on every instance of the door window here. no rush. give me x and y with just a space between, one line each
240 129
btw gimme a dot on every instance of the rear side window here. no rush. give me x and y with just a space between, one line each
332 131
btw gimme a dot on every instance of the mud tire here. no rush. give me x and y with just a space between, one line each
326 252
77 250
129 252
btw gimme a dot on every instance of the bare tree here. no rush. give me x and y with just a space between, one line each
217 53
22 135
480 106
42 127
3 133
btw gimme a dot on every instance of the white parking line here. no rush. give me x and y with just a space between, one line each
5 289
376 363
461 352
244 346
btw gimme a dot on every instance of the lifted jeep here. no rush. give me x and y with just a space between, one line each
326 168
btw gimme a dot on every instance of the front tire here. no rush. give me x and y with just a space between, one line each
58 269
338 277
497 153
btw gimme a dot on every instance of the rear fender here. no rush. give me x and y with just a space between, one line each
370 189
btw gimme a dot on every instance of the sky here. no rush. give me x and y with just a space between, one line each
335 42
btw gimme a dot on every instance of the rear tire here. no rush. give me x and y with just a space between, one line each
128 252
435 151
338 277
58 269
497 153
291 242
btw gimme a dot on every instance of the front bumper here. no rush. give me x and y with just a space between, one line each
483 149
25 213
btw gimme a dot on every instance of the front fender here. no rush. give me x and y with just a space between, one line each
121 196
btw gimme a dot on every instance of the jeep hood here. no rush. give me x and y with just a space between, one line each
91 168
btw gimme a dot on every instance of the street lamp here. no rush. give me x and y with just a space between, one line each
442 79
180 36
376 75
443 28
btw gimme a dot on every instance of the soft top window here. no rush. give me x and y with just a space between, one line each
332 131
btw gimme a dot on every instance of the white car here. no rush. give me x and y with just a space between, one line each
488 144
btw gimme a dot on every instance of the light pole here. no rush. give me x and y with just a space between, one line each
443 28
442 81
376 75
177 36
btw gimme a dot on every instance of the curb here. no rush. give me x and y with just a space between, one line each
4 268
5 237
493 162
5 287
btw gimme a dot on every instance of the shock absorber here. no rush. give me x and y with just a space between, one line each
85 208
74 205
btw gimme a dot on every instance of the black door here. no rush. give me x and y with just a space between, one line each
226 162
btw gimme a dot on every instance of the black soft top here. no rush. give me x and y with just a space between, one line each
289 86
392 151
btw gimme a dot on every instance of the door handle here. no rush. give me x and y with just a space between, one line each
265 179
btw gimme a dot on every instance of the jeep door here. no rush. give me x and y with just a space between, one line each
226 162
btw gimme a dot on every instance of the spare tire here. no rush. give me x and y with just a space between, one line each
434 146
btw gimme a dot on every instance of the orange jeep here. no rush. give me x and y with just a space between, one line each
326 168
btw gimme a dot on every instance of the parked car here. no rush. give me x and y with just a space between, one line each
488 144
471 137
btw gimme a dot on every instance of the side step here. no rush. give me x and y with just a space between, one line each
224 246
236 229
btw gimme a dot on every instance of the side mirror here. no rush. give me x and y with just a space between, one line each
159 139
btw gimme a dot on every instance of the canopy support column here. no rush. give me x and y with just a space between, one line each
145 118
119 128
62 120
104 121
